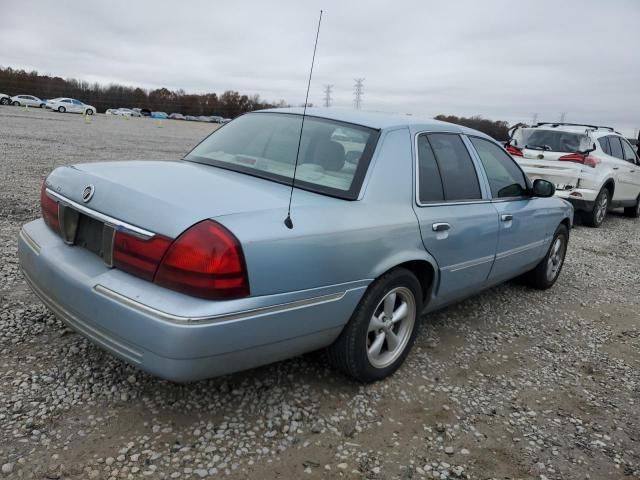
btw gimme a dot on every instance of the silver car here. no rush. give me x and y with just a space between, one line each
188 268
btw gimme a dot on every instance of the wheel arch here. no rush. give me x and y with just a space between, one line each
610 185
422 265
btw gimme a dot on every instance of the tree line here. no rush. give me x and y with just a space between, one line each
228 104
497 129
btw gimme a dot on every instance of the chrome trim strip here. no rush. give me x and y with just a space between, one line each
102 339
224 317
523 248
469 263
114 222
30 241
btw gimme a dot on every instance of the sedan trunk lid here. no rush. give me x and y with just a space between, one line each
165 197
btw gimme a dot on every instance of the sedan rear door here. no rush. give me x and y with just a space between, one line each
458 223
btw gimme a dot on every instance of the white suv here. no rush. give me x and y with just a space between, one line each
595 168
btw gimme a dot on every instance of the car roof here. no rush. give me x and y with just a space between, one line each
375 120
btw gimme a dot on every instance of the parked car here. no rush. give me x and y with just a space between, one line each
110 111
126 112
4 99
191 118
593 167
144 112
70 105
176 116
160 115
27 100
187 270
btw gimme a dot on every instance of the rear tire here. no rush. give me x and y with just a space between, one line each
4 101
382 329
545 274
633 212
596 216
89 111
62 109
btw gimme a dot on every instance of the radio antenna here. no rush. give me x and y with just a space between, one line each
287 221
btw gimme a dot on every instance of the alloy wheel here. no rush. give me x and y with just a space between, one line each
601 207
390 327
556 257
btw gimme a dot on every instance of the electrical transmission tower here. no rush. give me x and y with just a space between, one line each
327 95
358 91
563 115
535 119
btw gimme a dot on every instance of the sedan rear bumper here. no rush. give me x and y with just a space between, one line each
171 335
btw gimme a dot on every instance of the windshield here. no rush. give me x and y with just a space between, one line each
551 140
334 156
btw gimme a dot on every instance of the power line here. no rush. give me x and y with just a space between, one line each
358 92
327 95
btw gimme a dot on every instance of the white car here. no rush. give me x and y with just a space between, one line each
4 99
71 105
593 167
27 100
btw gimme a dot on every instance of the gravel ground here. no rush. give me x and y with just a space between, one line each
513 383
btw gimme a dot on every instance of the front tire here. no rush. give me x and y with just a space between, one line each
62 109
633 212
596 216
382 329
4 101
16 104
545 274
89 111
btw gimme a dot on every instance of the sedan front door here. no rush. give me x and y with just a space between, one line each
525 223
458 223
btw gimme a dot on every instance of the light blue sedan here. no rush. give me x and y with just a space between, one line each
187 270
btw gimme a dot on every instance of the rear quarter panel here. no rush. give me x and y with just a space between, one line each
335 241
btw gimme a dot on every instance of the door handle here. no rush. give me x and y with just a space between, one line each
631 171
507 217
616 168
440 227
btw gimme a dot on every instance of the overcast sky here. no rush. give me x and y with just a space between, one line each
500 59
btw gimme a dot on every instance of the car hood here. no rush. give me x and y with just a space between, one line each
166 197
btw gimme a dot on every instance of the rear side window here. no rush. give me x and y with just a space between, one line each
429 180
616 147
629 154
459 176
505 178
604 144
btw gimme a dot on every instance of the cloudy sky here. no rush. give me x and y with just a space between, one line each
496 58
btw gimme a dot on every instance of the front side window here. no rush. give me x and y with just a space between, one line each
443 157
616 147
505 178
334 156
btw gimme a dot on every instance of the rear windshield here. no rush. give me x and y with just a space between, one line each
333 160
551 140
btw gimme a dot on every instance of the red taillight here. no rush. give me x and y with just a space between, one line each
49 209
205 261
138 256
585 159
514 151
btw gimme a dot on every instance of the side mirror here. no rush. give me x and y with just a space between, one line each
543 188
